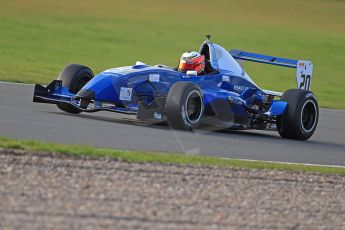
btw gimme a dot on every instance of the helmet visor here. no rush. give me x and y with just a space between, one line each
185 66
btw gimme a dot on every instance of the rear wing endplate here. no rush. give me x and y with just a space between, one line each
304 69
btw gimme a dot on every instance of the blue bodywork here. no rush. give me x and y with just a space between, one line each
229 93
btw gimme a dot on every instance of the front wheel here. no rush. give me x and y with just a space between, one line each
301 116
74 77
184 106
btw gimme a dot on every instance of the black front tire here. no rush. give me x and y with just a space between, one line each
74 77
184 106
301 116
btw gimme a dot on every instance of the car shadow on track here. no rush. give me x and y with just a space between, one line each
122 120
248 135
164 126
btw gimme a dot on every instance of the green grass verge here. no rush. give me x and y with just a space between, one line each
39 37
155 157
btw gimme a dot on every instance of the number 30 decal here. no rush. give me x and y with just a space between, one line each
304 74
305 84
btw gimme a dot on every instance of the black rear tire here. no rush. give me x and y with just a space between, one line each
184 106
74 77
301 116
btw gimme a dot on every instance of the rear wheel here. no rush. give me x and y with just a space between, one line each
301 116
184 106
74 77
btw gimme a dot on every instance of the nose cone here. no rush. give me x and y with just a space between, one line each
103 87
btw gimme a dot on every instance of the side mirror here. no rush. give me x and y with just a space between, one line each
192 73
140 63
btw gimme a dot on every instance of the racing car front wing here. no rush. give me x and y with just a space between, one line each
55 93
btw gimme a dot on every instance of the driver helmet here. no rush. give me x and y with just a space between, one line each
192 60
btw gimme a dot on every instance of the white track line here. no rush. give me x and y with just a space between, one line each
283 162
15 83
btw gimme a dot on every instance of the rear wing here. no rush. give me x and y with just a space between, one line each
304 69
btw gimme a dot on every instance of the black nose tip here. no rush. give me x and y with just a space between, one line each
86 94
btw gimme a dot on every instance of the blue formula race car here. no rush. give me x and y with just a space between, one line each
224 96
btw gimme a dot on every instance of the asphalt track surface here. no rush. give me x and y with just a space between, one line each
23 119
